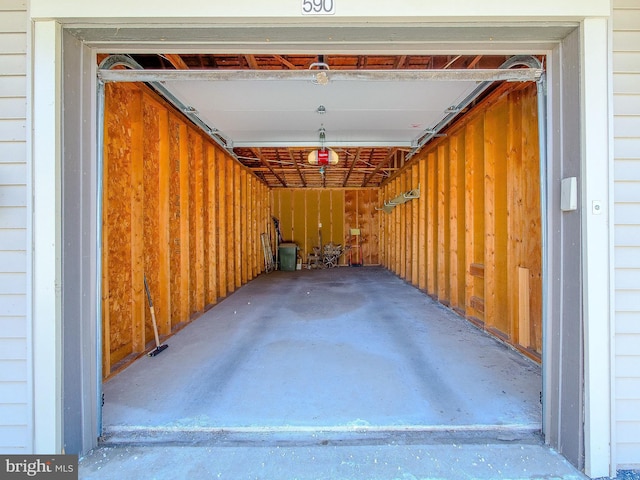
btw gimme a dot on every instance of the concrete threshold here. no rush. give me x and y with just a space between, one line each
356 435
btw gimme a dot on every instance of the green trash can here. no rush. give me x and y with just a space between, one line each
288 254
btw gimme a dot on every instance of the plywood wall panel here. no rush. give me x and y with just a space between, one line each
237 223
151 181
457 222
313 220
286 214
352 221
516 176
325 217
200 240
389 221
415 230
196 220
251 227
162 298
398 246
117 229
461 213
373 236
184 230
422 225
245 208
252 185
403 217
496 298
365 222
443 199
223 251
174 220
300 217
211 226
396 230
533 221
384 239
474 217
255 226
432 223
137 227
335 200
229 189
275 196
192 211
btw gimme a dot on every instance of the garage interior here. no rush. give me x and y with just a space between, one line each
435 193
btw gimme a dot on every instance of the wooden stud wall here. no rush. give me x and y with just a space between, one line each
472 240
175 210
301 211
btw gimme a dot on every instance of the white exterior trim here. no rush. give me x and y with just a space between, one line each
47 328
247 11
597 172
612 289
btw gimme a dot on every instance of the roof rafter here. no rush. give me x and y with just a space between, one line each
258 153
353 164
295 162
285 62
380 166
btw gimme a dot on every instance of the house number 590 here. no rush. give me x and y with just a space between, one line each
318 7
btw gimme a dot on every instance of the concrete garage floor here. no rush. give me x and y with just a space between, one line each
327 350
332 374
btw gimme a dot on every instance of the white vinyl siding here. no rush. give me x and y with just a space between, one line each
626 106
15 404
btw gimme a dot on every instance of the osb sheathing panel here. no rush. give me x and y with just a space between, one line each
221 181
474 214
196 222
163 180
211 222
476 228
405 228
237 225
151 155
123 107
361 214
174 220
230 186
331 211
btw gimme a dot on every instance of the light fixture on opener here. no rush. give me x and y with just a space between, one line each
322 76
323 155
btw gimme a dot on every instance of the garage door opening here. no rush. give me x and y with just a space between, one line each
327 352
186 208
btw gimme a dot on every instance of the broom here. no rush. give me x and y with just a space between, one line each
159 348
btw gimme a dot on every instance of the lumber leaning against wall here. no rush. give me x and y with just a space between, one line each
172 211
473 240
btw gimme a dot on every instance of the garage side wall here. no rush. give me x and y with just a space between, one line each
472 239
626 106
179 211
